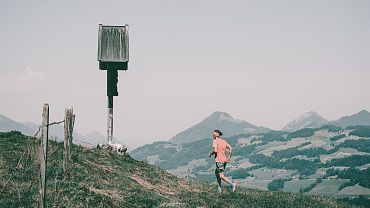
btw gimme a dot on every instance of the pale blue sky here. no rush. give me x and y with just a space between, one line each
266 62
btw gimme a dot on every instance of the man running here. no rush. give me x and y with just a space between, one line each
219 150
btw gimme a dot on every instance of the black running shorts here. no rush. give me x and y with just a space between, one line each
220 167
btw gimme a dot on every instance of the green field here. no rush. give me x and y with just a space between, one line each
354 191
296 185
328 186
255 183
284 145
270 174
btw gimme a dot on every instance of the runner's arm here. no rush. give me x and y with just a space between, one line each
230 151
214 152
211 153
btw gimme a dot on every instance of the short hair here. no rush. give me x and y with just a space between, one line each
219 132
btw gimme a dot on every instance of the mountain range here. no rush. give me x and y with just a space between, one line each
56 132
314 120
231 126
218 120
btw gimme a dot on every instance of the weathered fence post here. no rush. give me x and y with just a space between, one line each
44 154
72 124
65 152
69 120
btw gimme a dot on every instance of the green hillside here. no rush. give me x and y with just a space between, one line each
98 178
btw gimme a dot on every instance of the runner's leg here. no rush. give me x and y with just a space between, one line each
223 177
217 173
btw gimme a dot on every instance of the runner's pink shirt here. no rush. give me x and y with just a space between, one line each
220 146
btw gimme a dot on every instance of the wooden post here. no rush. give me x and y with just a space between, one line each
72 124
66 140
69 120
43 154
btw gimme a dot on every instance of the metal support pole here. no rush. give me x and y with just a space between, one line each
110 120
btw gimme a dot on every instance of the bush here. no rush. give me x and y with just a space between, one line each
239 173
277 184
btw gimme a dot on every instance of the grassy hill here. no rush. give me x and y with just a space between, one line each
98 178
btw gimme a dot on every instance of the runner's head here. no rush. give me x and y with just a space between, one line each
217 134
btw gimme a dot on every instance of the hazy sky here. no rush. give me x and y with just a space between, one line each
265 62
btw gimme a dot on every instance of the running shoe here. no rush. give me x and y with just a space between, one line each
234 187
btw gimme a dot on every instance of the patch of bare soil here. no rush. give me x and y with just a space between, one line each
159 188
114 194
102 167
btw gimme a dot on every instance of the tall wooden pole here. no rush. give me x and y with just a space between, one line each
43 154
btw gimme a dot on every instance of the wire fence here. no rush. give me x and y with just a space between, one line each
37 156
27 149
50 124
30 165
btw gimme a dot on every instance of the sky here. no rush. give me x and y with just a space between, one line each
266 62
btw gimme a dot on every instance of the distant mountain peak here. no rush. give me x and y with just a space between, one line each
219 116
306 120
360 118
217 120
308 115
311 113
363 112
217 113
